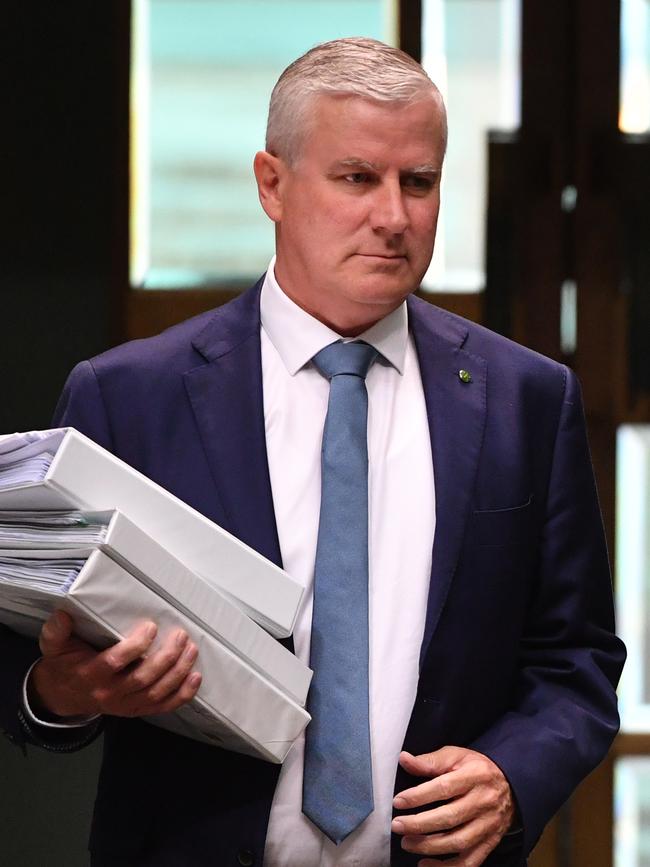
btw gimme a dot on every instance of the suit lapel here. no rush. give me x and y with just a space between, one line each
227 400
456 411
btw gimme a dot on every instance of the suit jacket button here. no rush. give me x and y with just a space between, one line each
246 858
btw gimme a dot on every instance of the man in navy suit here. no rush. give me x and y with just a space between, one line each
492 657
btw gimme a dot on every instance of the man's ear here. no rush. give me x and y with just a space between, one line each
269 174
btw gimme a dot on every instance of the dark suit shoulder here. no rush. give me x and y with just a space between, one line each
507 360
185 345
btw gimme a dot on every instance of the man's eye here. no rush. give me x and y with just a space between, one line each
357 177
418 182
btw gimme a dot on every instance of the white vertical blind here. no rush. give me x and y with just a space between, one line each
634 114
633 572
202 74
471 49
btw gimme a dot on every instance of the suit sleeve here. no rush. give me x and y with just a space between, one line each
80 406
564 716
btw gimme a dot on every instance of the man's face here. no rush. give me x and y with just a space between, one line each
356 215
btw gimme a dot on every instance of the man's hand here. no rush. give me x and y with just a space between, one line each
74 680
479 812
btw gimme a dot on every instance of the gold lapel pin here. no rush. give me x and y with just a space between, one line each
464 376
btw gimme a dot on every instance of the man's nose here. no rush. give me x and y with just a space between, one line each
389 213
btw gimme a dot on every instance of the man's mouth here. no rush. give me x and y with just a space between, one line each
383 255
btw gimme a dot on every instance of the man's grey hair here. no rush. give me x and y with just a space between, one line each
356 66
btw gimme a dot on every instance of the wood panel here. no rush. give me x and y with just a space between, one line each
150 311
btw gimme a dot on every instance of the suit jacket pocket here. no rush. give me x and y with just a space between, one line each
508 526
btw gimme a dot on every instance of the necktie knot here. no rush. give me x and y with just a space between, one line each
353 359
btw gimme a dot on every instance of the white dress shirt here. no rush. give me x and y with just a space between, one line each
401 527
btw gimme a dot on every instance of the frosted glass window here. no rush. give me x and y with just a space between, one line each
635 66
633 572
632 812
202 74
471 49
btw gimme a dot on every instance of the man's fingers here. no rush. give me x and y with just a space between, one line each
473 857
128 650
465 769
144 672
127 679
140 704
170 679
55 634
446 817
432 764
476 811
443 788
185 693
461 841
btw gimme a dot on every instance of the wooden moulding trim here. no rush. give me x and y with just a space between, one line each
627 744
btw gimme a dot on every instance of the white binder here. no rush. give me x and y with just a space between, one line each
84 475
237 706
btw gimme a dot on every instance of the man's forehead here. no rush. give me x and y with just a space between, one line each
354 130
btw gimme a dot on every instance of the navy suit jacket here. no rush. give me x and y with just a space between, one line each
519 659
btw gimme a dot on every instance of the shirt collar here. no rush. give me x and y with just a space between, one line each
298 336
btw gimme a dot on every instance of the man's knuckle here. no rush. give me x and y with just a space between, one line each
113 662
168 658
458 840
184 665
186 693
156 693
170 703
138 679
100 696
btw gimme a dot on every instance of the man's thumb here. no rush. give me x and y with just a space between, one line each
55 633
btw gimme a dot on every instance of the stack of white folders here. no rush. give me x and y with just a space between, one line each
109 572
62 469
253 692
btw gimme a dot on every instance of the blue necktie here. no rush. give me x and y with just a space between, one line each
337 787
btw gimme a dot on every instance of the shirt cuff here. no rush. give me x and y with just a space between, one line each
72 722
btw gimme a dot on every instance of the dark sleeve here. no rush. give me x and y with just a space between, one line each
81 407
565 711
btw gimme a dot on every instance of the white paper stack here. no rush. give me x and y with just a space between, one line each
110 575
62 469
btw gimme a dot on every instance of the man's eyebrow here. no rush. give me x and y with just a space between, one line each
358 163
425 169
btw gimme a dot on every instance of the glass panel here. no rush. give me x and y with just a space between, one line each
202 74
632 812
471 49
633 571
635 66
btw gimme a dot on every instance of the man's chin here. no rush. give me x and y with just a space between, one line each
380 291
